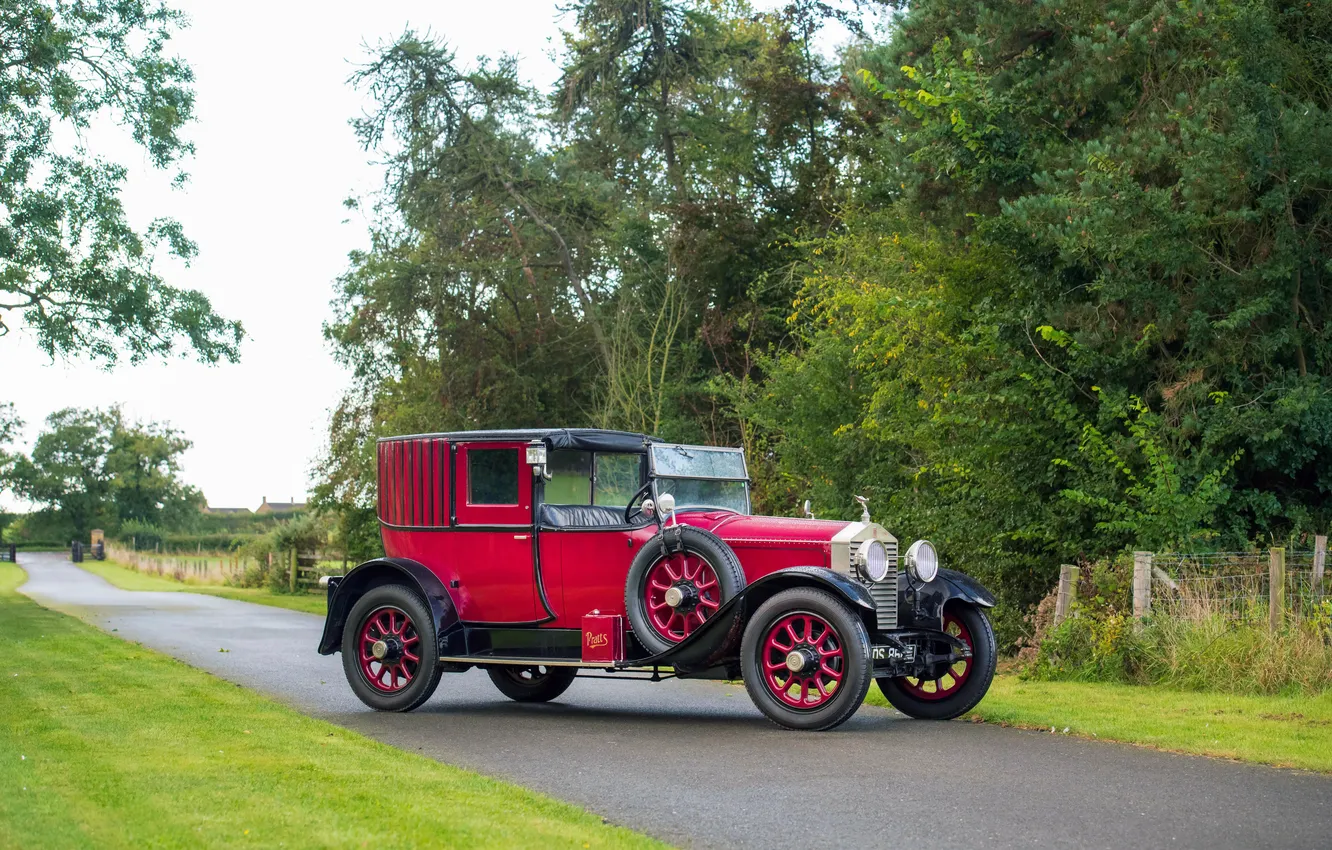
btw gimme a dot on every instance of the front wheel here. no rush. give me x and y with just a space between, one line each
532 684
805 660
955 690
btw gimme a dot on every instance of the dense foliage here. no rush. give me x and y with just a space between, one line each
1045 280
71 263
93 468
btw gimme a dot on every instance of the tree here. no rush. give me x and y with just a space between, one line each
143 467
71 264
66 473
92 467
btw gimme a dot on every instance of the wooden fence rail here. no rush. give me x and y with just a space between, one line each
1277 586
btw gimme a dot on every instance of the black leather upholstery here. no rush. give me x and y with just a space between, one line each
586 516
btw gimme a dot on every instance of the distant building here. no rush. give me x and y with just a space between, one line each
209 509
280 507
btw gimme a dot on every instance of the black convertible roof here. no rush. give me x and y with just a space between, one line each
578 439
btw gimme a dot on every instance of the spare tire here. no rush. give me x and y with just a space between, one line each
677 581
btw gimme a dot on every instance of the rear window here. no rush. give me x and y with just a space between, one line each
492 476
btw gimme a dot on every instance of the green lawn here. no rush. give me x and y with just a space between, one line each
105 744
1282 731
128 578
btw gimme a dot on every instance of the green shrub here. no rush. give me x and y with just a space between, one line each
304 532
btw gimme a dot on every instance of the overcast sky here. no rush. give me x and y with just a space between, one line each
275 159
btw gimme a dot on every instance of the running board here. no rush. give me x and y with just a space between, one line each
481 660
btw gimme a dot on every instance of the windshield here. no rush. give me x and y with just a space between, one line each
702 476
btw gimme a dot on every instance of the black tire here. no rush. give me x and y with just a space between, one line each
532 684
851 636
425 677
691 541
899 692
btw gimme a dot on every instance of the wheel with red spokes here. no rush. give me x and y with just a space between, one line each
805 659
950 689
388 649
681 591
679 580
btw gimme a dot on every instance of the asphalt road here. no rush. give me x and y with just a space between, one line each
695 763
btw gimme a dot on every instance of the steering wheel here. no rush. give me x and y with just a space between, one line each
645 490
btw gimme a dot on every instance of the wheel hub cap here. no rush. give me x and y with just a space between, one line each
798 659
379 649
682 596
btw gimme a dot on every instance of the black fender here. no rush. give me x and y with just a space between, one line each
343 591
718 640
922 605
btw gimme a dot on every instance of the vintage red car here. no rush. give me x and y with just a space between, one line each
534 554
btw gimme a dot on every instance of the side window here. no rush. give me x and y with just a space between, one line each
618 478
570 478
492 476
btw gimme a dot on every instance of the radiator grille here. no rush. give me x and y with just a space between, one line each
883 592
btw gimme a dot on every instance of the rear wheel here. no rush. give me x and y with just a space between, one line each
805 659
955 689
389 653
532 684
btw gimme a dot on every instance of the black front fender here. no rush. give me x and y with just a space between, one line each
718 639
345 590
922 605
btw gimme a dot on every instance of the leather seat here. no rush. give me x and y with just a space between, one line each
586 516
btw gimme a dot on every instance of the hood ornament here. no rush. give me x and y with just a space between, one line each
809 514
864 508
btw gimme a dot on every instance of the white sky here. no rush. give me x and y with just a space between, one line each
275 159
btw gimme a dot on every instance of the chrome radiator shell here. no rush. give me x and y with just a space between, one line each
884 593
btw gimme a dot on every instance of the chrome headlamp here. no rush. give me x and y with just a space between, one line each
872 560
922 561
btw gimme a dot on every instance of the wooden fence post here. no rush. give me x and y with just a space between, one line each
1320 562
1276 587
1068 592
293 570
1142 584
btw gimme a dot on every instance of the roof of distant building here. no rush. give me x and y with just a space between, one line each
280 507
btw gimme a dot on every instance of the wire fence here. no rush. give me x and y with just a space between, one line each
1235 585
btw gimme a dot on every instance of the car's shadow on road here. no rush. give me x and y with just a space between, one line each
726 712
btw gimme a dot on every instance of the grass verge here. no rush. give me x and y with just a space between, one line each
127 578
1293 731
106 744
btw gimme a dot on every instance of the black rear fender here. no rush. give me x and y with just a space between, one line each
343 591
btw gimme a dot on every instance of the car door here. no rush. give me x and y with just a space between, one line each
594 561
493 542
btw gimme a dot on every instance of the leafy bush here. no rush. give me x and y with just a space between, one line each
141 535
267 554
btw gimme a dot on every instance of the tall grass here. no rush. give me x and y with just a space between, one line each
1196 641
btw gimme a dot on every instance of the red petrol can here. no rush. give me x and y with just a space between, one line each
603 638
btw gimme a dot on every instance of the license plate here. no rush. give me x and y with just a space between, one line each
892 653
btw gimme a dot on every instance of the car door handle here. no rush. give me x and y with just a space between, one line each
520 537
